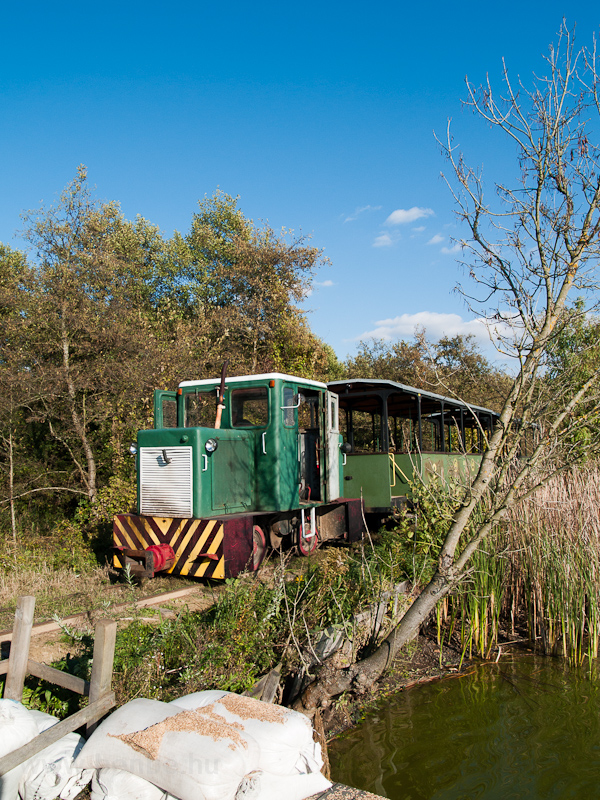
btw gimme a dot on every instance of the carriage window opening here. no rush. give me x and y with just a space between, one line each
169 413
250 407
288 400
430 435
401 435
366 428
454 439
471 437
199 409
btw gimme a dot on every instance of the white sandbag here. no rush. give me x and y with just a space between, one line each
263 786
51 773
17 727
189 755
199 699
285 737
116 784
43 720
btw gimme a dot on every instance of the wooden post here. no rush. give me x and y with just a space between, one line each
104 652
19 649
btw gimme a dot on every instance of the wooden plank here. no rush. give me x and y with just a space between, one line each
58 677
4 666
271 685
102 665
19 650
51 627
86 715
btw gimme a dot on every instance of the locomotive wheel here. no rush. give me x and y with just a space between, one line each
307 544
259 547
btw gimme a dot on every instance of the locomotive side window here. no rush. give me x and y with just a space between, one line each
250 407
333 413
199 410
288 402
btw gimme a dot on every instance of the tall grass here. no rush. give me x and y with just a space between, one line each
542 570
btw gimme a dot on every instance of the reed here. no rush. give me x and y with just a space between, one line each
542 569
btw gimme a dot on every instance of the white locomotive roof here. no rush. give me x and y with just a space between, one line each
266 376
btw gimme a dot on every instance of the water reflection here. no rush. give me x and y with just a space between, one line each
524 728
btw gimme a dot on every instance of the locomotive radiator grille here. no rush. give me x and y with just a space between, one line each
166 484
198 543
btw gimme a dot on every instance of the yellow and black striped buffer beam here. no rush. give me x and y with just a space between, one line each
197 543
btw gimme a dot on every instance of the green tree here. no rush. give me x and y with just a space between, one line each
83 331
400 361
452 366
13 381
246 281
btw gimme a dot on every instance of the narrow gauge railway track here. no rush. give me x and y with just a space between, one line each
51 626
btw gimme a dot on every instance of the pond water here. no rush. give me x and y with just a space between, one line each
527 727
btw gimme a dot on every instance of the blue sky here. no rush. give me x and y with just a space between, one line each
319 116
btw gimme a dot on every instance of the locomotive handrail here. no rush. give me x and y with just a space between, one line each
300 398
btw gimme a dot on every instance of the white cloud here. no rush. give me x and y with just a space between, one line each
456 248
383 240
402 215
436 239
420 229
436 325
361 210
324 283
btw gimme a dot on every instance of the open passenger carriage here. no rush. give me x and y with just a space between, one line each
396 432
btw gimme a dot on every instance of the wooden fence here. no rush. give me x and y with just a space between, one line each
18 665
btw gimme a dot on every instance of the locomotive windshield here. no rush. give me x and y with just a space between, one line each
199 409
250 407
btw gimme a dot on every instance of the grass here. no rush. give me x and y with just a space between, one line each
540 573
63 589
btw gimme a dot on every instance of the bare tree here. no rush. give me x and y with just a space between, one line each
529 246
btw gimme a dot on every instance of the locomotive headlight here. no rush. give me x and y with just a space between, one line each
133 449
211 445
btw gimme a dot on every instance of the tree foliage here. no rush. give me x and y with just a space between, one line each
452 366
105 310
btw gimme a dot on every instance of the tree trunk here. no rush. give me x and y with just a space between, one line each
11 485
78 423
361 676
